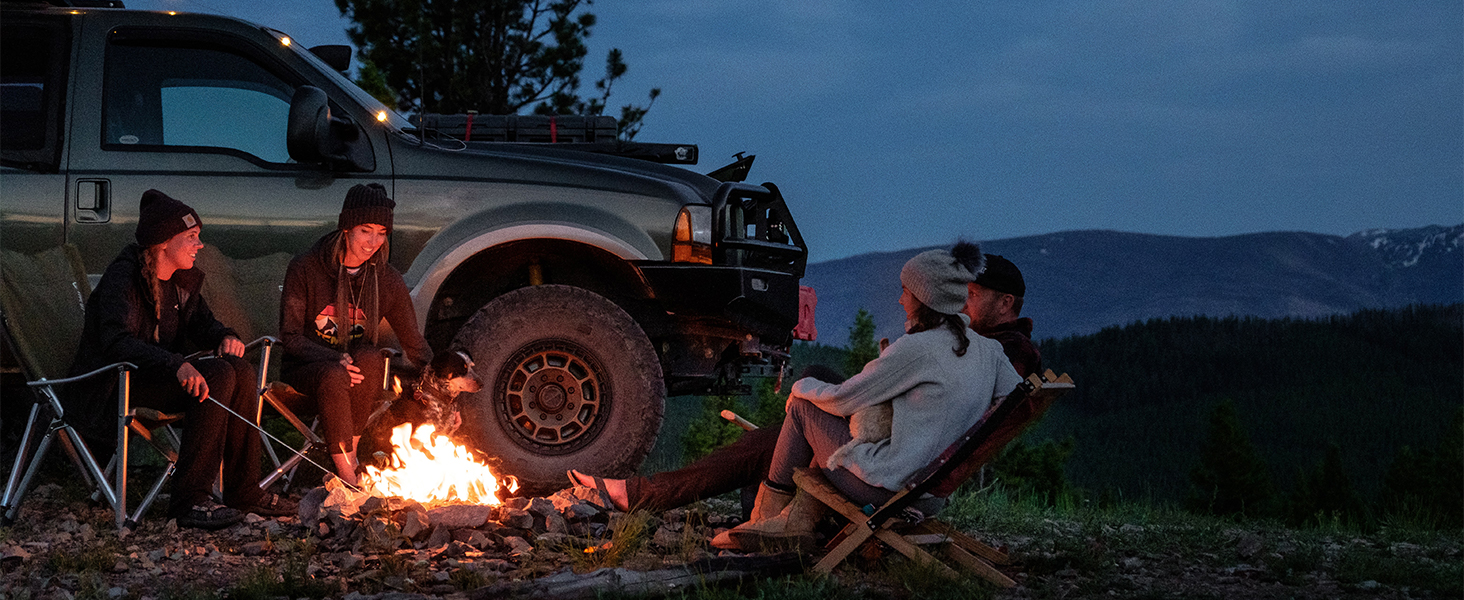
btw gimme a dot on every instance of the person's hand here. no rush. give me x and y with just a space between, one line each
352 370
456 421
193 381
231 346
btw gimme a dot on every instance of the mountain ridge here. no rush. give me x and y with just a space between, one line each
1081 281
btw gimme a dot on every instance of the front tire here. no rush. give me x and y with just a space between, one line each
571 382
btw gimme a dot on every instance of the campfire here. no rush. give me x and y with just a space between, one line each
433 470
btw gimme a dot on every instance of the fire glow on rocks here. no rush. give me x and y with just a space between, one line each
431 469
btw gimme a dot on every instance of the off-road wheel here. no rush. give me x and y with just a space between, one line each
570 382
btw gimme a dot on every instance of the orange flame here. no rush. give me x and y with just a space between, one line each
431 469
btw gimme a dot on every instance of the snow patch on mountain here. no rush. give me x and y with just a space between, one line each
1403 248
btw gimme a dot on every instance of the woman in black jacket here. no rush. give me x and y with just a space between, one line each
147 310
335 297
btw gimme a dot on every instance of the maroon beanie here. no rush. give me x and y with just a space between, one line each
159 218
366 203
1003 276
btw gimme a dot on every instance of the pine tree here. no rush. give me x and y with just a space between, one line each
498 57
1326 495
1036 469
862 347
1231 478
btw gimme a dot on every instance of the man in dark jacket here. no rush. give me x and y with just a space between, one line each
994 303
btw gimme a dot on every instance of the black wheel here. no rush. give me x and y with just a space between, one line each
570 382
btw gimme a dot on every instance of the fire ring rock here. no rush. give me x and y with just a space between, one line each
460 516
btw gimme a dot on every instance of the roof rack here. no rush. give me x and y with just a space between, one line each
597 134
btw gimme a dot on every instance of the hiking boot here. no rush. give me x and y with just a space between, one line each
209 515
273 505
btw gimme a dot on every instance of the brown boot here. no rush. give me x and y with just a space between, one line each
791 529
769 503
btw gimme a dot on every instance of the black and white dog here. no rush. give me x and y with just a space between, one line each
432 399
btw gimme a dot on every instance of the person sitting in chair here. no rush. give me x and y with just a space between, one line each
993 305
147 310
939 381
334 299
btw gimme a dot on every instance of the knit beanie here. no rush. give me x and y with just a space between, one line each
937 280
160 217
366 203
1002 276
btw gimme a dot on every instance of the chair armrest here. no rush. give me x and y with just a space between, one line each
120 366
264 340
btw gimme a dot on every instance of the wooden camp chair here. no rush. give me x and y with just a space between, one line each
889 523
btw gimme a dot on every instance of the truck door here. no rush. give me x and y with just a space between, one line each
35 52
201 116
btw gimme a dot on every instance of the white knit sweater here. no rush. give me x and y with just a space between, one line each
936 396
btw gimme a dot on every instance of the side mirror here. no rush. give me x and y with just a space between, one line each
315 136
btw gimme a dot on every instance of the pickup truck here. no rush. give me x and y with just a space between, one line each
587 286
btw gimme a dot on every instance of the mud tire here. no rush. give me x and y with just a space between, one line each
599 405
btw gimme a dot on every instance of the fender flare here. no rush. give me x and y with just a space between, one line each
434 274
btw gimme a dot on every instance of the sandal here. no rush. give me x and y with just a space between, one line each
209 515
608 502
273 505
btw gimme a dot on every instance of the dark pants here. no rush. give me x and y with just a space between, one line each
808 437
211 436
343 407
739 464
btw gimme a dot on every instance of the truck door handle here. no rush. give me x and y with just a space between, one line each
93 201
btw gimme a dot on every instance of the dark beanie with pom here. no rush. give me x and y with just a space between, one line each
160 217
1003 276
366 203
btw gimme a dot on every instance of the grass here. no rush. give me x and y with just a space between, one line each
626 535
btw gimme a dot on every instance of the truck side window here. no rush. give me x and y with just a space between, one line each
197 97
32 86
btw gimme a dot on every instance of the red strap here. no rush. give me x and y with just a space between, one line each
553 131
468 137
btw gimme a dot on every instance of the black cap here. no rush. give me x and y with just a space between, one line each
1003 276
366 203
159 218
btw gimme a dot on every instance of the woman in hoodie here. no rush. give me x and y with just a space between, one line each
147 310
334 298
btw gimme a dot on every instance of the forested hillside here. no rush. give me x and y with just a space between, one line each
1370 382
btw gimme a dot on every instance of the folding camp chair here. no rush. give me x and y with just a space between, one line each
43 307
998 427
289 404
43 304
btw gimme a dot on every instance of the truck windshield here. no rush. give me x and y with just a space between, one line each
366 100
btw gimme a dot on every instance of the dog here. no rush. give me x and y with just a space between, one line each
870 424
432 399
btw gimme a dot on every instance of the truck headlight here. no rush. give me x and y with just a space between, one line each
692 239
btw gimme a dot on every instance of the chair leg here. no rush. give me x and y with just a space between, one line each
25 462
13 490
912 551
966 542
852 542
977 565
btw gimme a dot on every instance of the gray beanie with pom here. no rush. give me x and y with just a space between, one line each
937 280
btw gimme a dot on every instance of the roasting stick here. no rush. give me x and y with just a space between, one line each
741 422
281 442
